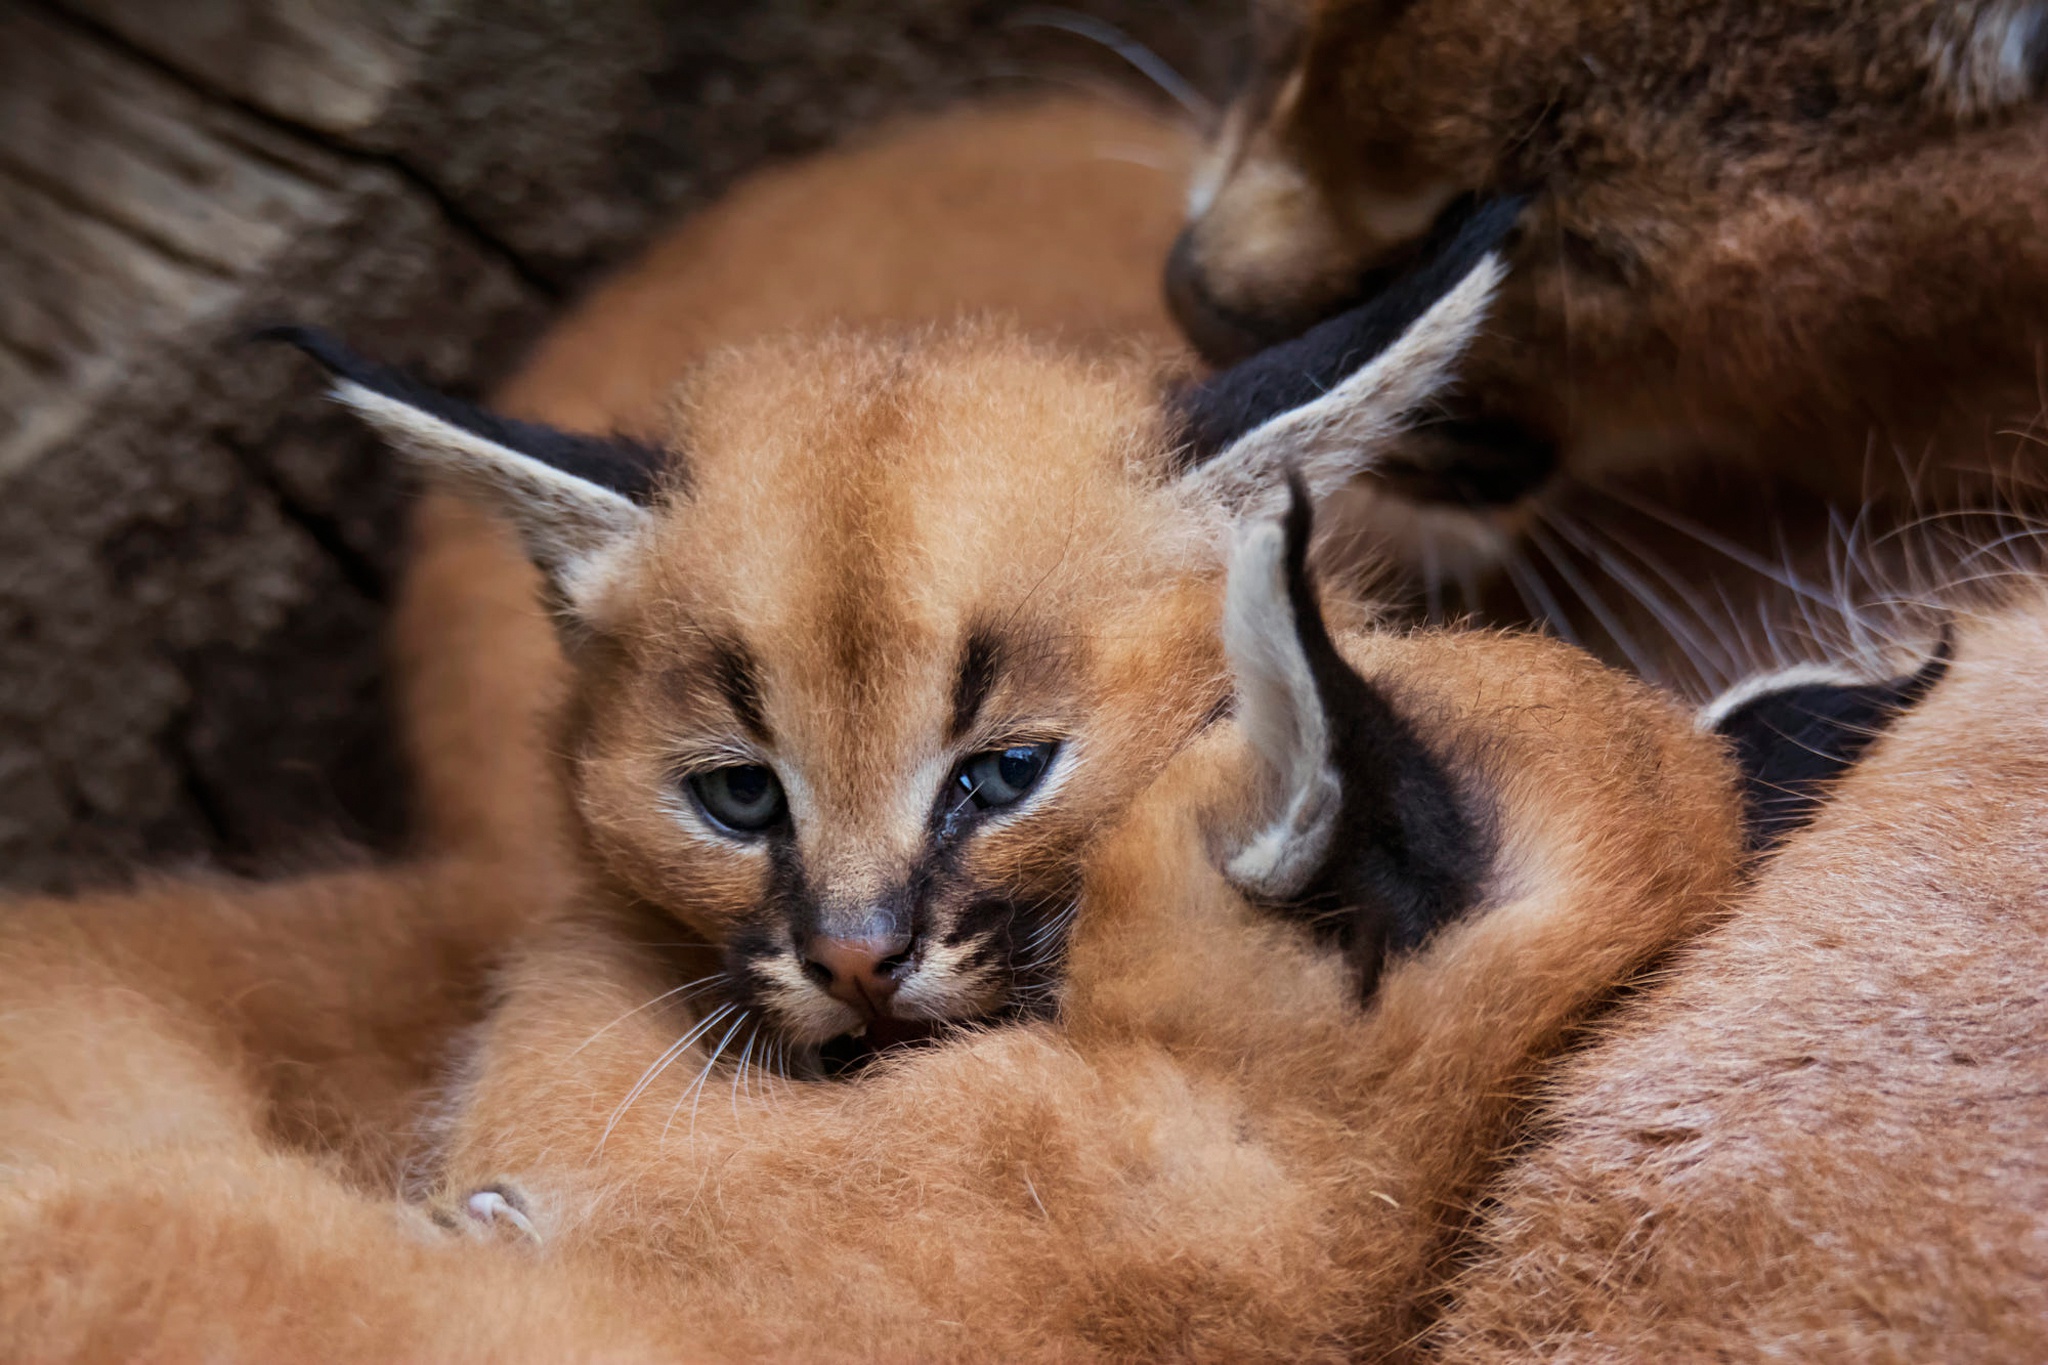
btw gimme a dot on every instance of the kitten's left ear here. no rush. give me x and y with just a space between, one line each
1365 835
573 498
1795 732
1325 405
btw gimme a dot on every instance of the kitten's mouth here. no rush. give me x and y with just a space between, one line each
848 1053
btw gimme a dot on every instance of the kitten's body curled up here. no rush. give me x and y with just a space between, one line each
920 640
901 697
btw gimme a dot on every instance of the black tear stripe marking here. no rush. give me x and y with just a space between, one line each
1792 744
980 664
1405 858
627 467
739 682
1282 378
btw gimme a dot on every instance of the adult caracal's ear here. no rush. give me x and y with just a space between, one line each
1364 834
574 499
1326 404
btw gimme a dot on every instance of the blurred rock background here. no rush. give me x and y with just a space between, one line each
195 556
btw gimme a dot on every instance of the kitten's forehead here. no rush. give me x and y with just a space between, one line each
895 541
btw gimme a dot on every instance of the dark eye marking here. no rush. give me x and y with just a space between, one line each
739 680
742 798
981 663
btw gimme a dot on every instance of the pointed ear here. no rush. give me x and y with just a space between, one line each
1327 402
572 498
1365 835
1795 732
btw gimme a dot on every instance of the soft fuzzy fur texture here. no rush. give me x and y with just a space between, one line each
1052 213
1272 1176
1774 256
203 1118
207 1093
1216 1154
1819 1138
870 566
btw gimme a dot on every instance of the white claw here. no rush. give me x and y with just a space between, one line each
490 1207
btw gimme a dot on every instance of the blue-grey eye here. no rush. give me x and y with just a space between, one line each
744 798
1002 777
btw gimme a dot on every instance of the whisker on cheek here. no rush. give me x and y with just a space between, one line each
695 1092
659 1065
688 990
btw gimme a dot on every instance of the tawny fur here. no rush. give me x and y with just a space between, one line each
1819 1138
1215 1154
1053 213
1265 1172
208 1091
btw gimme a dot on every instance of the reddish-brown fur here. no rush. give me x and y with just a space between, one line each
1773 254
1214 1155
1773 232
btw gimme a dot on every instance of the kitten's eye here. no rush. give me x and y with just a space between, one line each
1002 777
744 798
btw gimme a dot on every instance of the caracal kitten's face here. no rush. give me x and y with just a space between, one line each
881 633
918 628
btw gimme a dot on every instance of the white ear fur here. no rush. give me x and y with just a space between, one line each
1282 715
1711 716
1338 436
570 526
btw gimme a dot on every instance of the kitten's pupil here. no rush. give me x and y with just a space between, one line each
744 797
748 785
1002 777
1019 767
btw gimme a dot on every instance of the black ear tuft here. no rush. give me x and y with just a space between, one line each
1792 742
1405 857
626 467
1282 378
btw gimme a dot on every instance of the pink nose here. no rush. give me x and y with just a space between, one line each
862 972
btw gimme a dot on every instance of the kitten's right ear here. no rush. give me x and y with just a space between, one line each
574 499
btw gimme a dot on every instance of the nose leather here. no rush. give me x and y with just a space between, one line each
862 972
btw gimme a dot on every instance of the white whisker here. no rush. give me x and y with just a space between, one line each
1147 62
739 1074
1560 559
694 988
696 1087
657 1066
